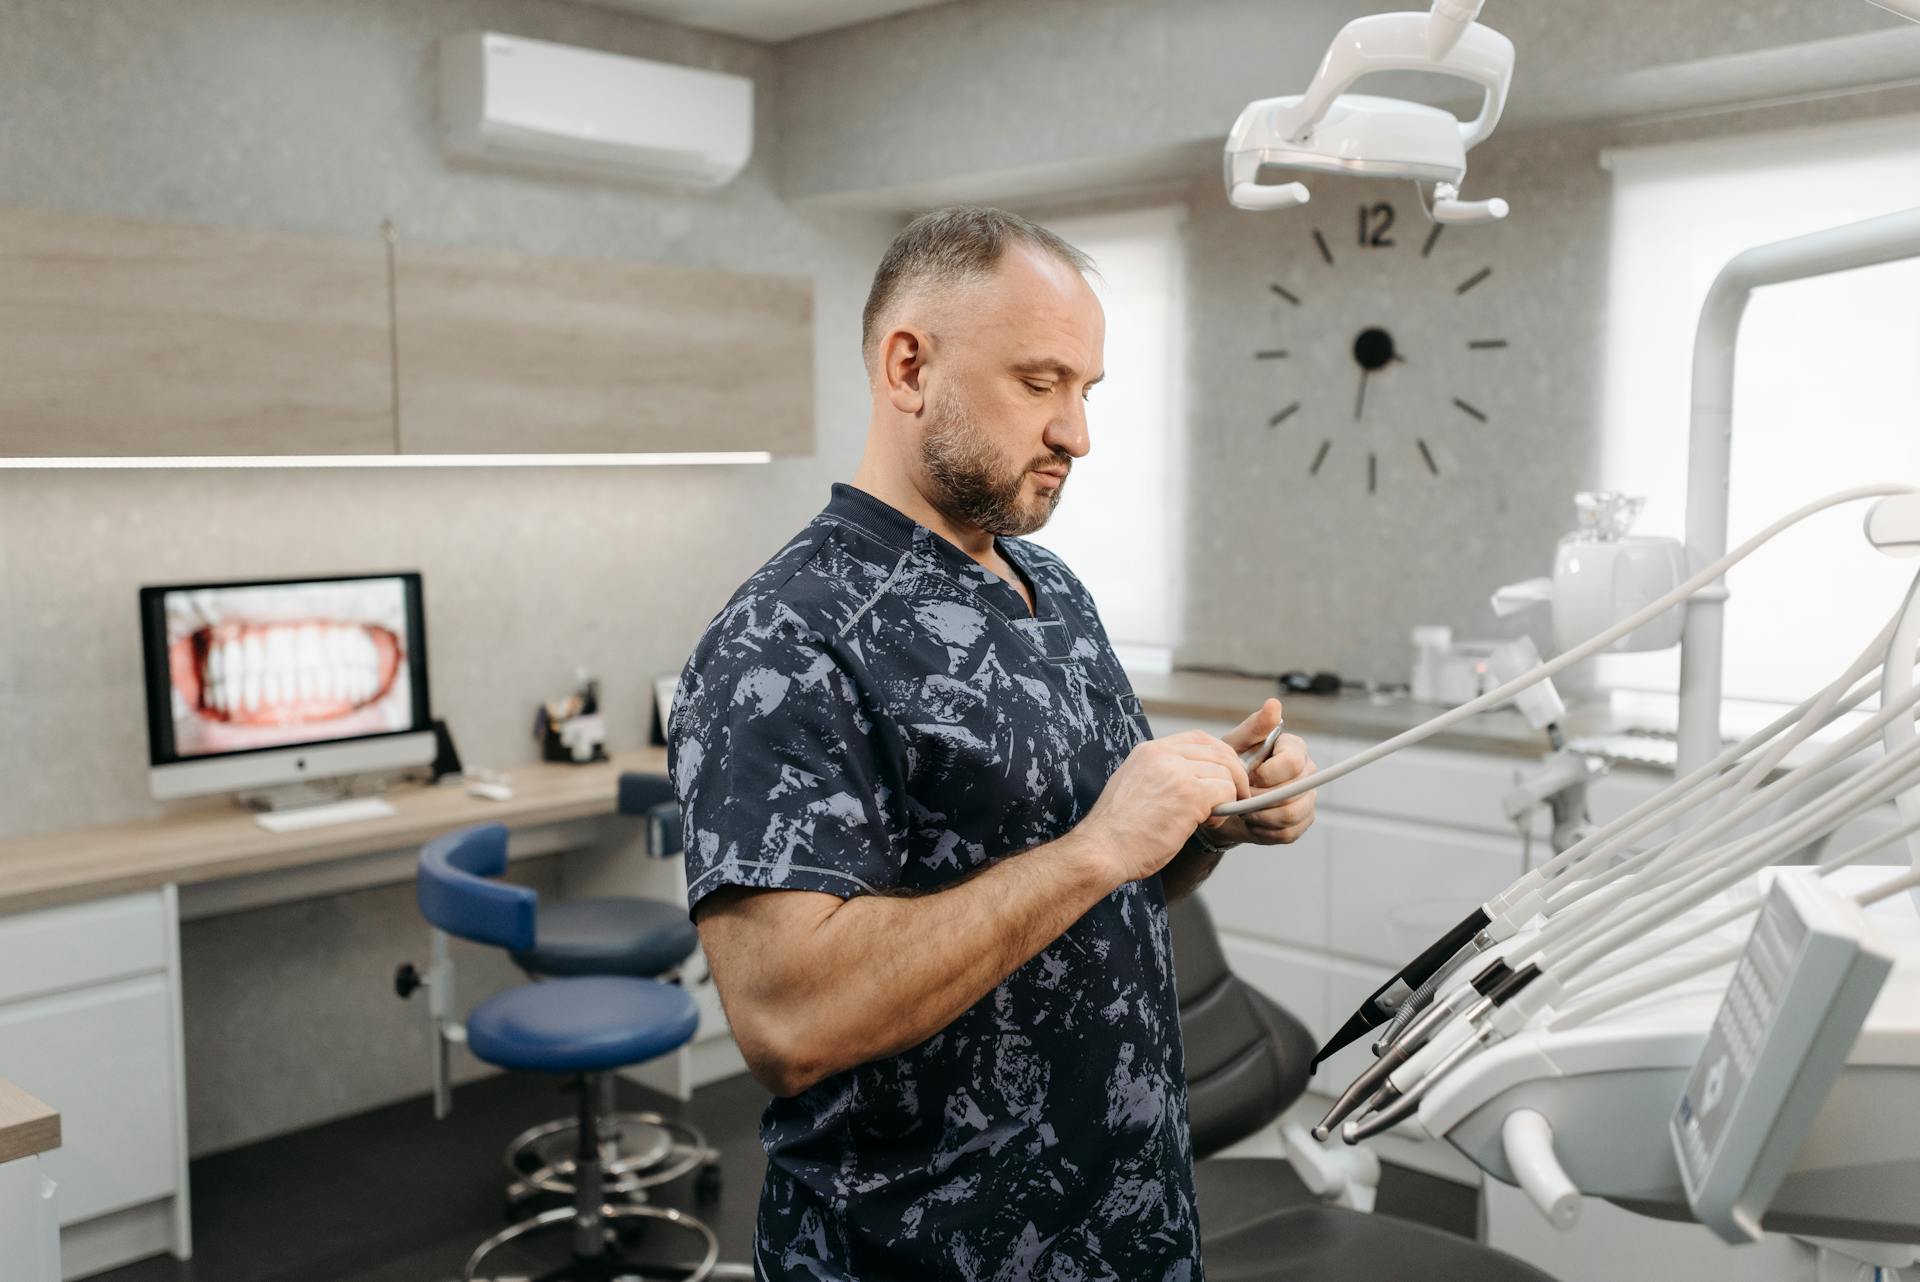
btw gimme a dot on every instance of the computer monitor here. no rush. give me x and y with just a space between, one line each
257 684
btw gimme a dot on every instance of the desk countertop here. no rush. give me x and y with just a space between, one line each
210 841
27 1126
1207 697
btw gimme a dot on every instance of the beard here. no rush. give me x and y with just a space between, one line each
971 485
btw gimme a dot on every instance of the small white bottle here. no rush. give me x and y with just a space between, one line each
1432 642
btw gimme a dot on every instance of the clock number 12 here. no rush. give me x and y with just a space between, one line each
1374 222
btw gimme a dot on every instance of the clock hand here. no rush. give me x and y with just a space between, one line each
1360 401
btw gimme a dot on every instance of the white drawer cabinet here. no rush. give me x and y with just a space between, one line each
1395 886
29 1223
103 1057
90 1023
1276 893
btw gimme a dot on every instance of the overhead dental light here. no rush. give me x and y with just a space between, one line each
1330 131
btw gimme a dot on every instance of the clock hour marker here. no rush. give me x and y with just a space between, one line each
1321 241
1427 454
1473 280
1373 473
1284 415
1275 354
1319 458
1286 293
1431 237
1469 410
1485 344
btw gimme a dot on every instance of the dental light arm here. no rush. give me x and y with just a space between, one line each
1885 239
1329 129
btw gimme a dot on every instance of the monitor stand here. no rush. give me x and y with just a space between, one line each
298 806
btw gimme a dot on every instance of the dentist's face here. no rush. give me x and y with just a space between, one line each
1006 411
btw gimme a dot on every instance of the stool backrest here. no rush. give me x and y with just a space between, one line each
457 894
650 797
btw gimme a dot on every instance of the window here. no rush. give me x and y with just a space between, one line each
1120 524
1826 395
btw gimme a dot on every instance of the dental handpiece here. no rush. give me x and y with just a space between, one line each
1257 754
1415 1036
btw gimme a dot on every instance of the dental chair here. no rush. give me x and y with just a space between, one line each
580 1026
1259 1222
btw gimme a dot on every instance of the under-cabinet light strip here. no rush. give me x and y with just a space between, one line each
401 460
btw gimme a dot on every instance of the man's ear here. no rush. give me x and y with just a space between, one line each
903 357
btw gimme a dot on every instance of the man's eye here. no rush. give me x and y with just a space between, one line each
1038 389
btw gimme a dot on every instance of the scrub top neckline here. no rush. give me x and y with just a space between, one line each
896 527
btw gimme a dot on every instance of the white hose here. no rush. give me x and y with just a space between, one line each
1869 789
1494 698
1590 919
1896 682
1594 998
1700 791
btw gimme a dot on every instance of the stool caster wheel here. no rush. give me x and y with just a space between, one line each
706 1183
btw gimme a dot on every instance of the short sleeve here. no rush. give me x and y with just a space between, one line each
777 761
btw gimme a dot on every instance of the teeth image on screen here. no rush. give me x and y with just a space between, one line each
282 672
259 667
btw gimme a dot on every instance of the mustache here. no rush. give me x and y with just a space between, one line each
1057 460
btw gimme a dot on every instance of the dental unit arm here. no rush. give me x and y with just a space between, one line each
1333 131
1550 1036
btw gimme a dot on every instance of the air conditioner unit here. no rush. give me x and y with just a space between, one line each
530 104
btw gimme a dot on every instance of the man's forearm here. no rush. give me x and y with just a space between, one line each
882 973
1186 870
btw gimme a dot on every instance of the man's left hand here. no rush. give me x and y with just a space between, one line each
1285 823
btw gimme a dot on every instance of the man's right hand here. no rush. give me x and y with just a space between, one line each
1163 791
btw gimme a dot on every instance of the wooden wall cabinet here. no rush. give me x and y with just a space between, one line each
122 338
508 353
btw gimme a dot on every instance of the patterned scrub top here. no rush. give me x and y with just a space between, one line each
874 712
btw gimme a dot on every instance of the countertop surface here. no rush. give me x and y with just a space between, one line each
27 1126
1593 726
211 839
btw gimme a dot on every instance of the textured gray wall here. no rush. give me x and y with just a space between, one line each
1287 570
1040 94
316 116
1348 572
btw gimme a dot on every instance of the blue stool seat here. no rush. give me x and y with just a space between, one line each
582 1025
610 936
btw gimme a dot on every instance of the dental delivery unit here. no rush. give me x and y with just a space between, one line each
1661 1015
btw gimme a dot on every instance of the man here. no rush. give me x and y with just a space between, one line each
929 845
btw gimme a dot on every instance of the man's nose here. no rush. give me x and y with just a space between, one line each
1068 431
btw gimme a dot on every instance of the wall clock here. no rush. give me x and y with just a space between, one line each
1402 307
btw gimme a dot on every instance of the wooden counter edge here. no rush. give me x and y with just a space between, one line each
27 1126
544 793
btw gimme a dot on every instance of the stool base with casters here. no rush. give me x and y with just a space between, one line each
638 1151
598 1254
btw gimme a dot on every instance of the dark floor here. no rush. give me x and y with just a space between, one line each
393 1196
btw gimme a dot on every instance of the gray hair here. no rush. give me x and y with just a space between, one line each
950 247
